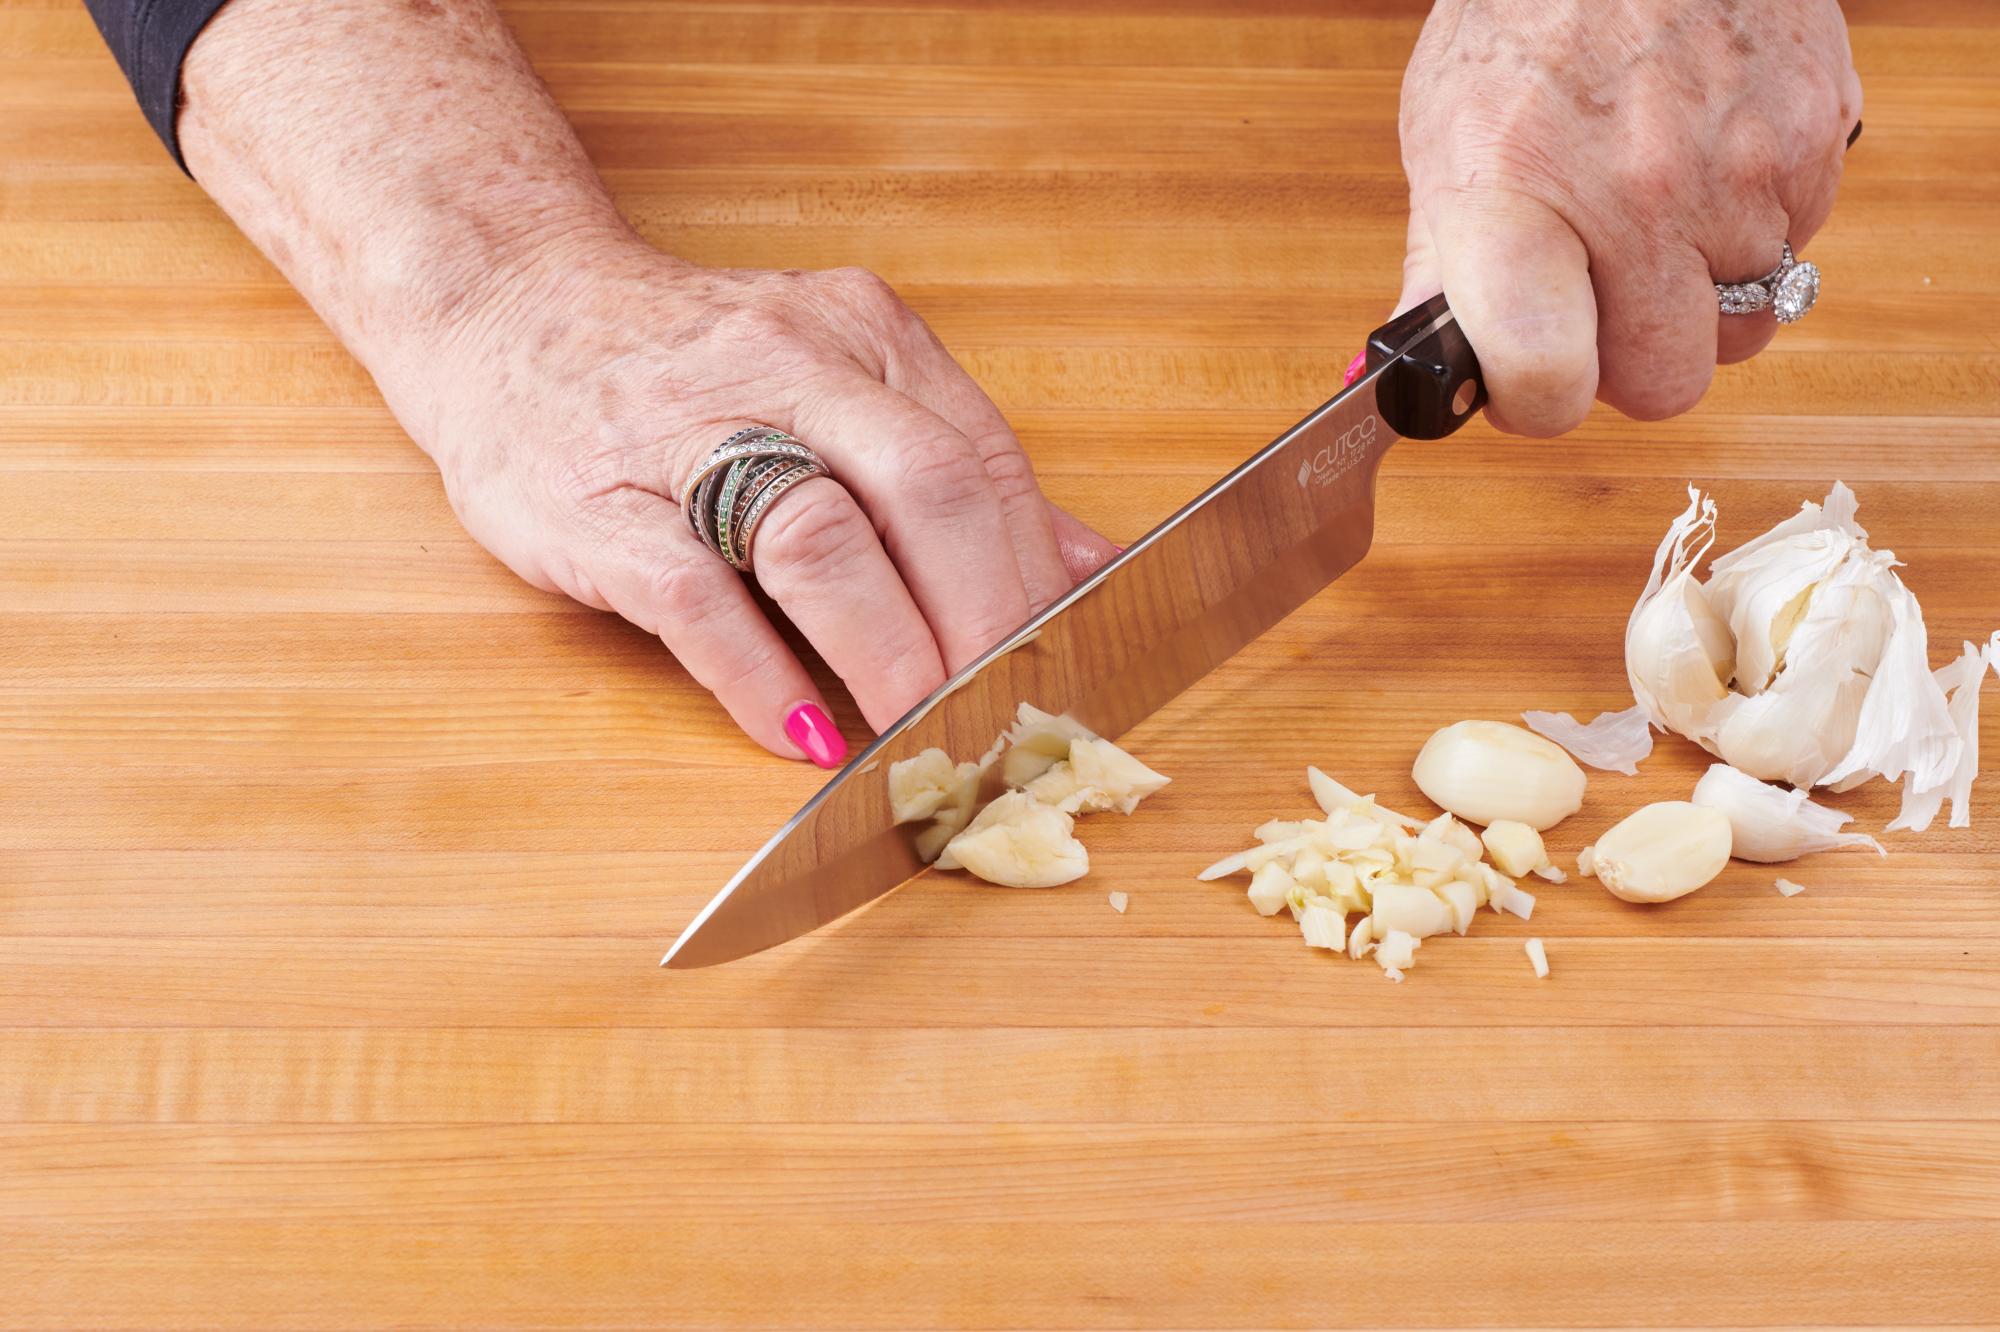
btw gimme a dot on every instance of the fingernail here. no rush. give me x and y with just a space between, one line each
808 727
1355 367
1118 550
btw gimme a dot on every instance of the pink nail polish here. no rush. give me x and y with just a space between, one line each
1355 367
808 727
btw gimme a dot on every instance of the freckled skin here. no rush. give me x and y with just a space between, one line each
404 167
1578 212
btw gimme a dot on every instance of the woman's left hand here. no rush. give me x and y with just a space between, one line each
1582 173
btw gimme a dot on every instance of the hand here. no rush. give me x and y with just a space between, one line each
572 411
1582 172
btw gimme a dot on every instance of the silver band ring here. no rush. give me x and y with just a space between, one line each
1788 291
728 495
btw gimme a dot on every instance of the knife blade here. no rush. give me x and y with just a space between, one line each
1231 563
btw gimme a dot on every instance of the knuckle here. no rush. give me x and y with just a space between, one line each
1012 475
812 535
863 287
943 475
683 595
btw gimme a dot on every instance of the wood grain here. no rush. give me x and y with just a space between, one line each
334 862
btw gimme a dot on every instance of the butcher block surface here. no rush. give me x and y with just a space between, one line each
335 863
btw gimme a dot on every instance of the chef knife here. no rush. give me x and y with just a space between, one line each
1248 551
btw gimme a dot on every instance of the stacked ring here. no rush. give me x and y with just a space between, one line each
729 494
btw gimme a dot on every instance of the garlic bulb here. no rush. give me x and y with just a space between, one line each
1662 851
1487 771
1769 824
1802 659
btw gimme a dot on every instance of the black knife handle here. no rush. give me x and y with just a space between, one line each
1433 387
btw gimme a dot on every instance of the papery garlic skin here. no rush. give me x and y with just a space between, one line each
1771 825
1802 659
1663 851
1961 682
1486 771
1613 741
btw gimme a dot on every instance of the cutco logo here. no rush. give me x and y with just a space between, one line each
1334 458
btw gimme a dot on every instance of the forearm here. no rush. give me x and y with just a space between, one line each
400 163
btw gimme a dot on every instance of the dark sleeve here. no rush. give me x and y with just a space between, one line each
150 38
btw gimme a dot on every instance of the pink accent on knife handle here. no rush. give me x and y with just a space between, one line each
1356 367
808 727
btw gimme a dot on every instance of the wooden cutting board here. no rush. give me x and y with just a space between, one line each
334 863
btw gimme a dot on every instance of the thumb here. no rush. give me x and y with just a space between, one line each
1084 551
1519 281
1421 280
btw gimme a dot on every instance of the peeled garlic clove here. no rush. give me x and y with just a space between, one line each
1515 848
1768 824
1663 851
1486 771
1417 912
1018 842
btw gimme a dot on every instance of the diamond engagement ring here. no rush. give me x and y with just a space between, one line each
732 490
1788 291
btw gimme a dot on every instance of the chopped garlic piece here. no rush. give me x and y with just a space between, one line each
1515 901
1332 796
1361 942
1018 842
1036 743
1768 824
919 784
1118 901
1552 873
1613 741
1408 909
1323 927
1269 888
1790 889
1538 958
1586 861
1463 899
1485 771
1515 847
1396 952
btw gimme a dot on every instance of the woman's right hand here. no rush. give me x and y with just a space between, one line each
574 405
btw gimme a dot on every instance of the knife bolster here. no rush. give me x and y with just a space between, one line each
1432 384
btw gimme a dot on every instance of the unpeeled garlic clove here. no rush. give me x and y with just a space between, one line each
1662 851
1768 824
1487 771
